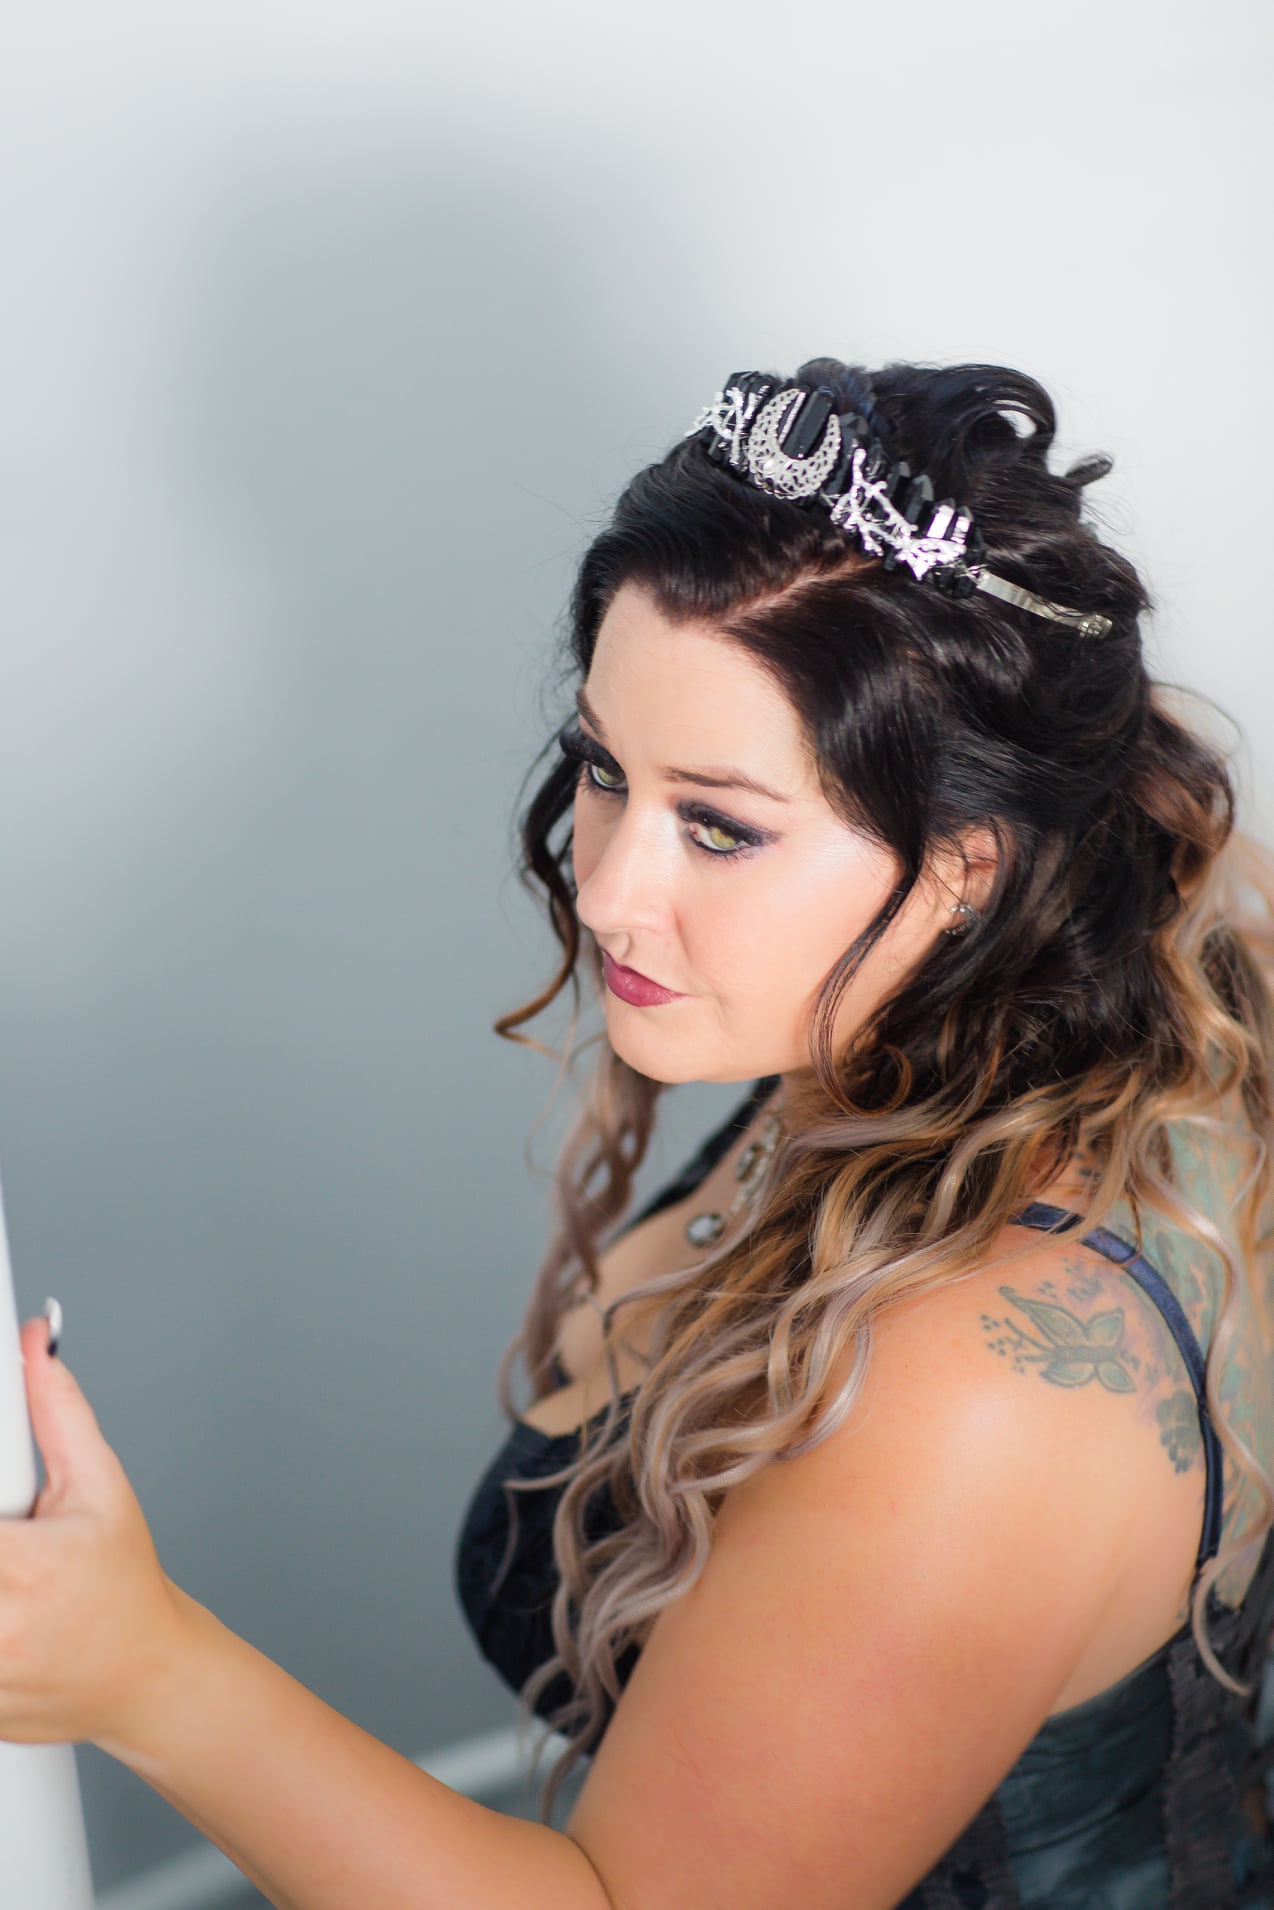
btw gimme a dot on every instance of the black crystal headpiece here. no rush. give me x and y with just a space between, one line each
790 442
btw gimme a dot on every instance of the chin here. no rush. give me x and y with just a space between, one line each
658 1057
656 1068
661 1058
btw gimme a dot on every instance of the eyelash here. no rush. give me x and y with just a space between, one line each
582 750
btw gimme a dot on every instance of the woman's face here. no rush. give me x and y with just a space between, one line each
708 860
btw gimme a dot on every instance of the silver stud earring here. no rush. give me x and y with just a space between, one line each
968 916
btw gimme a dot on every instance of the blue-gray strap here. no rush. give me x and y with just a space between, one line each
1053 1220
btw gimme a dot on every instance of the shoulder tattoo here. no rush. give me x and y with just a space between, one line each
1067 1349
1086 1343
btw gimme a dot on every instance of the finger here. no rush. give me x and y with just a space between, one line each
64 1424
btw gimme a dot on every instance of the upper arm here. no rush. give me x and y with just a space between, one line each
882 1625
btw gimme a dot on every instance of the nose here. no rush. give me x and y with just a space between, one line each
626 885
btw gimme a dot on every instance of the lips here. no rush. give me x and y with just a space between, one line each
631 987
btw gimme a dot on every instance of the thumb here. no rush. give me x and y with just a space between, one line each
65 1425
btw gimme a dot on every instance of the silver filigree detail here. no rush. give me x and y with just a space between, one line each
769 465
730 415
866 512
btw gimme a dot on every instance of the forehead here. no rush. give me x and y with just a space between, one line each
686 693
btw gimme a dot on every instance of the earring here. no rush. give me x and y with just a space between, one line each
968 916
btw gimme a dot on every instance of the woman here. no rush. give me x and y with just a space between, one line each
872 806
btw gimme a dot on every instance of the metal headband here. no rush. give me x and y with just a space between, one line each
790 442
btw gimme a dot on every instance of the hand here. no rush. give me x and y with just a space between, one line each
89 1623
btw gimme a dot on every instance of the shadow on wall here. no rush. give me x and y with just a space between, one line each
302 1230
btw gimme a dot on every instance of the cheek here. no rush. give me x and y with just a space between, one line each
794 918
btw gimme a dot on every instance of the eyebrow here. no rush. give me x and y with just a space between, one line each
706 778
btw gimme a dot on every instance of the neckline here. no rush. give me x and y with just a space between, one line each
683 1183
572 1434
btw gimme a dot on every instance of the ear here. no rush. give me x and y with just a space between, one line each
964 871
981 851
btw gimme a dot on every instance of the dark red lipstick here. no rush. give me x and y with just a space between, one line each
631 987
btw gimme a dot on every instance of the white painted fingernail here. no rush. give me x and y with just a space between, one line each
53 1314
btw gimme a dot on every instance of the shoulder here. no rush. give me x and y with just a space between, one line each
1039 1413
1042 1395
884 1621
1045 1337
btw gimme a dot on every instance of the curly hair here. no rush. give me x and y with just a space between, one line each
1107 988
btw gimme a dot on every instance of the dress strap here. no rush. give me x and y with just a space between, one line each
1053 1220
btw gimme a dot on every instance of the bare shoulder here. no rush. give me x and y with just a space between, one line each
1068 1318
1055 1346
885 1620
1063 1319
1045 1408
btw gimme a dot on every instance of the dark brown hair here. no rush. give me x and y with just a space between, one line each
1105 989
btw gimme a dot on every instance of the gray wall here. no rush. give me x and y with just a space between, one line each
328 329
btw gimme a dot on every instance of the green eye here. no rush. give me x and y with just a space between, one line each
720 841
600 772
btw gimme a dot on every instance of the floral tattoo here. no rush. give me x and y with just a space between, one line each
1067 1350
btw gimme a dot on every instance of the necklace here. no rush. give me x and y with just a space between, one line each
704 1230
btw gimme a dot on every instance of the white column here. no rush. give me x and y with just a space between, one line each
43 1854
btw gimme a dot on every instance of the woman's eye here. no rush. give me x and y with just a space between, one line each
599 771
718 841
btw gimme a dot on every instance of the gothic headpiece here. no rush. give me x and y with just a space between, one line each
789 441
